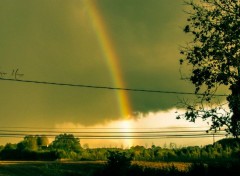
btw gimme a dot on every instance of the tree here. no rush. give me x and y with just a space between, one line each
29 143
33 143
9 152
42 141
67 143
118 163
214 58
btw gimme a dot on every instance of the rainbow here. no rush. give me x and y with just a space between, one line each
110 55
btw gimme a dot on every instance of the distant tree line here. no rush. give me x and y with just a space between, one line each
66 146
35 147
119 164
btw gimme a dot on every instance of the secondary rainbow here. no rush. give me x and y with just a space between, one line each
110 55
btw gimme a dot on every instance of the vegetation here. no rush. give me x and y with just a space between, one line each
49 168
118 164
66 146
221 157
214 59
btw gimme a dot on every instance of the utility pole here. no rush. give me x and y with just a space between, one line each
213 138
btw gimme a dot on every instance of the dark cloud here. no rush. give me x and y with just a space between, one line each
148 36
54 41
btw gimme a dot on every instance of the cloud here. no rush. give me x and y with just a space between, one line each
50 40
161 121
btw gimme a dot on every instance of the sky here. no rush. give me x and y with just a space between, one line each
121 43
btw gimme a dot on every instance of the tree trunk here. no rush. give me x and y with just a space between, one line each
234 105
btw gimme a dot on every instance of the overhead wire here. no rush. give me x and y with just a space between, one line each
114 134
103 128
106 87
100 132
126 137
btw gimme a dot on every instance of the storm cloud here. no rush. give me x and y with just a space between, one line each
49 40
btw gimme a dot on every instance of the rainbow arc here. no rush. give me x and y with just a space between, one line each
110 55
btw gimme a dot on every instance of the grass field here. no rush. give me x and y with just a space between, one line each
68 168
35 168
181 166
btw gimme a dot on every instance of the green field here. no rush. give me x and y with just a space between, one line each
68 168
36 168
95 168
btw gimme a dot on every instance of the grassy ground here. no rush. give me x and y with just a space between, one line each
88 168
33 168
181 166
67 168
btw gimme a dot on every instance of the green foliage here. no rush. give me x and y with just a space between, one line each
1 148
229 142
118 164
214 58
214 53
10 146
66 142
223 150
99 154
28 149
33 143
29 143
119 159
66 146
42 141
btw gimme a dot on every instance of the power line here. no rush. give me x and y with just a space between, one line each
125 138
152 136
104 128
113 134
103 132
107 87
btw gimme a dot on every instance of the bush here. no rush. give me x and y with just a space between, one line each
118 164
